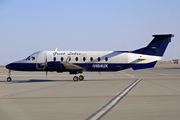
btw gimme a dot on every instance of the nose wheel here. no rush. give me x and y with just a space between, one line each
76 78
9 78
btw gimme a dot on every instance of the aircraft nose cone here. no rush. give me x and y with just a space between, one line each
9 66
14 65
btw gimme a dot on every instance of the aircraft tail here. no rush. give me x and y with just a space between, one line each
157 46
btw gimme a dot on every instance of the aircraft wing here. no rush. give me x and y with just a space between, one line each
63 65
70 66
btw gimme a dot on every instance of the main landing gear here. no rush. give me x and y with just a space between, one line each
76 78
9 78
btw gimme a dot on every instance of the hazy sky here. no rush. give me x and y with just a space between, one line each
27 26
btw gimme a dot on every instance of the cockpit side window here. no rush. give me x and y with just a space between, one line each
33 58
30 58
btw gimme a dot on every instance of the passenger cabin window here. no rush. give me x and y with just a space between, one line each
76 58
84 59
91 58
106 59
62 58
99 58
54 58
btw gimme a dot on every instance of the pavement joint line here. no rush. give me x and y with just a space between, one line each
163 86
126 74
156 73
112 103
33 90
71 97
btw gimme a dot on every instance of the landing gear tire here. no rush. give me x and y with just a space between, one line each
9 79
81 77
75 78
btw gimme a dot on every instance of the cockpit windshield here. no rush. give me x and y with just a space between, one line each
28 58
31 57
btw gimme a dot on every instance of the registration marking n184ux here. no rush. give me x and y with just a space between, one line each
100 66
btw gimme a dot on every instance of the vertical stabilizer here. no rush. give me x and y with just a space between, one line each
157 46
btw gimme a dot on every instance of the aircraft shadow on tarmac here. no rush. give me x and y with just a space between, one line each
44 80
36 80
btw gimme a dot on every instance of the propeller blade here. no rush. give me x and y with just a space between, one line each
46 65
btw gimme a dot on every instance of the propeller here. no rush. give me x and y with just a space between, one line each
46 64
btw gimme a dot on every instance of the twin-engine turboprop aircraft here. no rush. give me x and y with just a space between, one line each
77 62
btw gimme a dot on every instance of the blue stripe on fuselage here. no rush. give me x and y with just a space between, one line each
106 66
86 66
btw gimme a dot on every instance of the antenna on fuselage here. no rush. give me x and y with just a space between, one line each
56 49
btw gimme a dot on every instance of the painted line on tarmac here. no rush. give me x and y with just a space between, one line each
33 90
126 74
112 103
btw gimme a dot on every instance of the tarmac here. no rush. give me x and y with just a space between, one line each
139 95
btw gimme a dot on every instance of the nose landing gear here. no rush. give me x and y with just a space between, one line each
9 74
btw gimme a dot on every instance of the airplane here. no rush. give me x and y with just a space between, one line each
77 62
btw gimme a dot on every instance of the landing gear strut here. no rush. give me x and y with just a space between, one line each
9 78
76 78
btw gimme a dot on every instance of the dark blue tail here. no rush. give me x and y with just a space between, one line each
157 46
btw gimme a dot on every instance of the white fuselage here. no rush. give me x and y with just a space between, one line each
92 57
